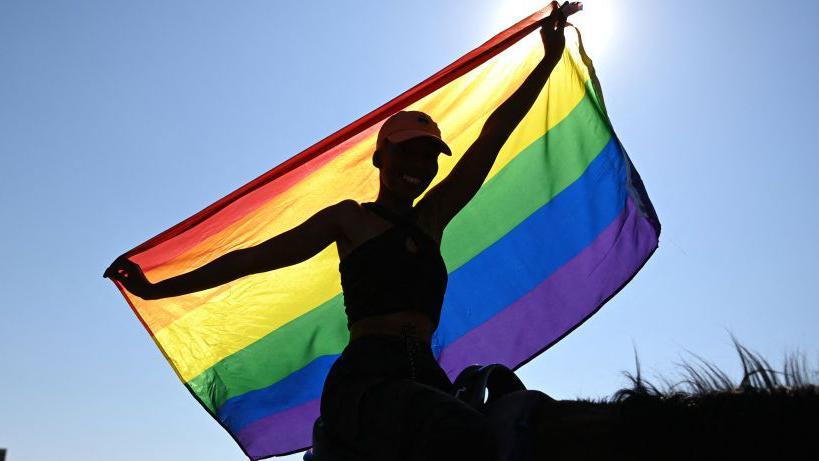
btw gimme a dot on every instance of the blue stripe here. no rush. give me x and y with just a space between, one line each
297 388
479 289
526 256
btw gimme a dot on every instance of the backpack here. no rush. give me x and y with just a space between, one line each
513 411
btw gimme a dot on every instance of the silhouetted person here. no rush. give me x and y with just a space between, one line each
386 395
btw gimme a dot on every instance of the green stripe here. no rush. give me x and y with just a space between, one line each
519 188
321 331
500 205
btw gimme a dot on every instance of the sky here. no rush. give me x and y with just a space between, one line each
119 119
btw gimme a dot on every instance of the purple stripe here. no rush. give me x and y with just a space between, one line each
283 432
562 301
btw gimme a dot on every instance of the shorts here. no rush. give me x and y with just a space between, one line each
386 402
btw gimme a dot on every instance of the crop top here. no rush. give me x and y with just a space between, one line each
399 269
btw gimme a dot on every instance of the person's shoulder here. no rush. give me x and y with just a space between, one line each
347 213
347 208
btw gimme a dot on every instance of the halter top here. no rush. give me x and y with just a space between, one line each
399 269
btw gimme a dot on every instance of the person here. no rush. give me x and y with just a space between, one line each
386 396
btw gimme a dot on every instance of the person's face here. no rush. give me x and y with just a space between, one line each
407 168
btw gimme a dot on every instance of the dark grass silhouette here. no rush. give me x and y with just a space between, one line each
706 415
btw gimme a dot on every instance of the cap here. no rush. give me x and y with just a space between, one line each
411 124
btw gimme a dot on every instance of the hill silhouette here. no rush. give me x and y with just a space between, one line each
705 415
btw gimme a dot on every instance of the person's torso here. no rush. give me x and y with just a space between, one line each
400 269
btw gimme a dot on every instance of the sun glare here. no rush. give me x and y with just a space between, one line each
596 21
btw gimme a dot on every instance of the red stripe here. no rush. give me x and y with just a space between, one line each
471 60
231 212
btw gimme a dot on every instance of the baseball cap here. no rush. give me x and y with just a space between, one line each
411 124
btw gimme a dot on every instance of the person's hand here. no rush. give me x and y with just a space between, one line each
130 276
551 32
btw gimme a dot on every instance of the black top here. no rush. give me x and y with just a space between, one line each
399 269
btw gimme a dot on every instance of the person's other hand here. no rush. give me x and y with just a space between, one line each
551 32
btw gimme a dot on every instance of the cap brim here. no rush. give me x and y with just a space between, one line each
405 135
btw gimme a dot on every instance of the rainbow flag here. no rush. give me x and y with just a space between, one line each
560 225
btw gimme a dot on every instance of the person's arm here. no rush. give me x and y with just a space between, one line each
291 247
450 195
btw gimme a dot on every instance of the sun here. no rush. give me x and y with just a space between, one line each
596 21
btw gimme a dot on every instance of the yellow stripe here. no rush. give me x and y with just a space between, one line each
218 322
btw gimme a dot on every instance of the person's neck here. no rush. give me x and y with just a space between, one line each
397 205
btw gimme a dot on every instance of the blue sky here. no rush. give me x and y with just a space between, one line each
119 119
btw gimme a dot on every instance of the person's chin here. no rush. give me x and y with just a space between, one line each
416 191
409 191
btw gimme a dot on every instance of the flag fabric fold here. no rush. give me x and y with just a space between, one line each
560 225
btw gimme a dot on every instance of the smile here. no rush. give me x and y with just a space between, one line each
411 179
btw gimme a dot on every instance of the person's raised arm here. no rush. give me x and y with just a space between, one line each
291 247
449 196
